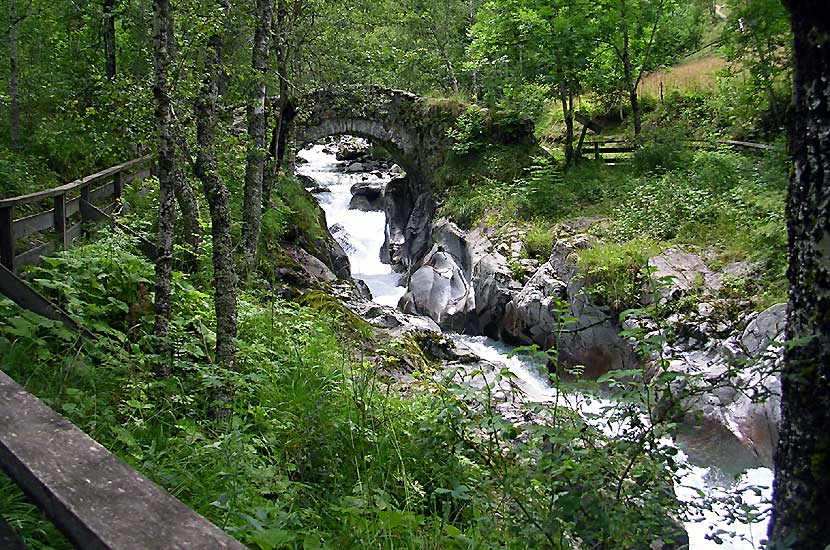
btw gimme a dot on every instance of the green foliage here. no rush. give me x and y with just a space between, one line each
615 274
468 130
538 242
468 203
661 148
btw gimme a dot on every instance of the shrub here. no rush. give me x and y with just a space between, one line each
661 148
614 274
538 242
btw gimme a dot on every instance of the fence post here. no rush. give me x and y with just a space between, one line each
84 208
60 220
7 237
117 187
596 150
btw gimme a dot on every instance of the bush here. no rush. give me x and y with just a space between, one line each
661 148
615 274
538 242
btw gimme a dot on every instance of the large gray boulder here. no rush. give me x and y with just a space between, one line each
765 330
535 316
439 289
367 196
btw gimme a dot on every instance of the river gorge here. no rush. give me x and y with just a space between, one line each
708 465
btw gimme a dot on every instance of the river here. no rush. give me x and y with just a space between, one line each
362 237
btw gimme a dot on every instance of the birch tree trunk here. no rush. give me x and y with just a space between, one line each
254 169
162 23
216 192
801 497
109 38
14 82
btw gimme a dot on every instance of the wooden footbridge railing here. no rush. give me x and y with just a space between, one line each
95 499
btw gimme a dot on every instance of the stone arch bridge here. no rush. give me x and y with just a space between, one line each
414 130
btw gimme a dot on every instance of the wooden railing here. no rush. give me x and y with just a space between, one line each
94 498
622 149
55 218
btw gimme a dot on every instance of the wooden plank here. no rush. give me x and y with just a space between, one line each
34 224
33 255
60 220
748 144
586 121
7 237
74 233
92 496
28 298
103 192
73 185
8 538
615 149
73 207
140 175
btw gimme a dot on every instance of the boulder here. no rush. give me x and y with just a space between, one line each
313 267
355 167
398 204
367 196
350 148
767 328
439 289
676 272
417 234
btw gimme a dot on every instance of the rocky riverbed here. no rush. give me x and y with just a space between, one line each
414 272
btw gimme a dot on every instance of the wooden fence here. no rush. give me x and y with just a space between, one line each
95 499
55 218
621 150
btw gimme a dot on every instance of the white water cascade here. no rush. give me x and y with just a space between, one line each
362 236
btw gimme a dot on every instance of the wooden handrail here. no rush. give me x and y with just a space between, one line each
94 498
72 185
62 208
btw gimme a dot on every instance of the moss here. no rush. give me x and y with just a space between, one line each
324 302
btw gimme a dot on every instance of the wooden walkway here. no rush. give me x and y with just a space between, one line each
95 499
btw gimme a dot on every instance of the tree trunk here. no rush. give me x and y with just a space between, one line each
568 113
109 38
14 86
801 497
628 70
189 208
216 192
257 123
162 21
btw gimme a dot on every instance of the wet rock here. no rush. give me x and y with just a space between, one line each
307 181
350 148
367 196
440 290
767 328
355 167
398 204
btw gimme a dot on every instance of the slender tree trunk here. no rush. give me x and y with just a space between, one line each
189 208
109 37
162 21
801 496
568 113
628 70
14 86
257 127
224 278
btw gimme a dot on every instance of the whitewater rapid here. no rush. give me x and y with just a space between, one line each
362 236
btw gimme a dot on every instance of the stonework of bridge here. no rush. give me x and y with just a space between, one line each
412 129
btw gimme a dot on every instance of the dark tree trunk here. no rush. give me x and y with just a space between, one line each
162 21
189 208
109 37
14 86
257 127
801 498
216 192
568 112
